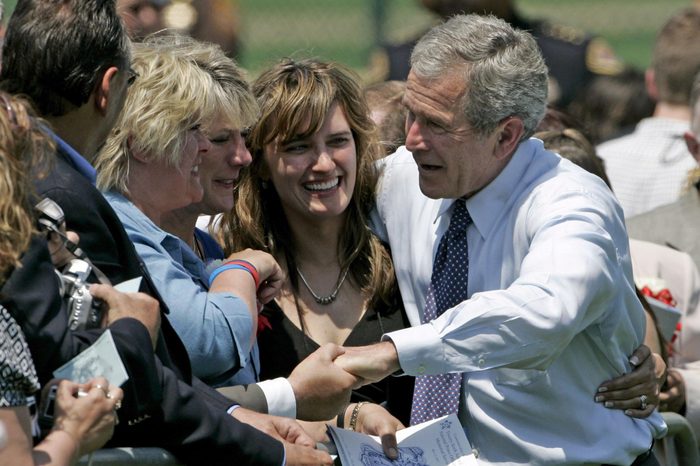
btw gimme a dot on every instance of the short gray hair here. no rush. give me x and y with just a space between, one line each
503 68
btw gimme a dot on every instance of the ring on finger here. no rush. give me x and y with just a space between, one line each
102 388
643 401
117 405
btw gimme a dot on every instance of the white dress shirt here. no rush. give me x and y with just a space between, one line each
649 167
552 314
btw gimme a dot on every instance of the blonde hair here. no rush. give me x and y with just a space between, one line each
231 92
294 97
24 150
171 95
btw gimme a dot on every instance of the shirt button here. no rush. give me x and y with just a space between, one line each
421 369
475 452
481 362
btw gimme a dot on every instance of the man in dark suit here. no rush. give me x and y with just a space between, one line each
71 58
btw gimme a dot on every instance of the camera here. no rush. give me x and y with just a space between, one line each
84 311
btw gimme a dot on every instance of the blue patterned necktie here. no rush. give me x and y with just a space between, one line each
438 395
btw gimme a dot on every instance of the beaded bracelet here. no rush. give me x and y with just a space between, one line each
353 417
234 266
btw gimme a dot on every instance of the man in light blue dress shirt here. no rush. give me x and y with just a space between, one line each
552 309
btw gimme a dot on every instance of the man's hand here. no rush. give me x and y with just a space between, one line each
646 379
372 419
298 446
60 254
304 456
321 388
281 428
673 396
138 306
371 363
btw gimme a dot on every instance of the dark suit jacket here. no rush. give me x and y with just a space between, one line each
164 405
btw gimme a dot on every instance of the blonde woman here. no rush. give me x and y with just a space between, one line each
150 167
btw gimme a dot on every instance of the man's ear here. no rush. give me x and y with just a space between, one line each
104 87
650 84
509 132
691 141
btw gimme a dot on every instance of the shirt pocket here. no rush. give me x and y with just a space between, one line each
521 377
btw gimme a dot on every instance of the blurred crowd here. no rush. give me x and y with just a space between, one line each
296 247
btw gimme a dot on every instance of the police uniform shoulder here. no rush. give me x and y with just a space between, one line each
600 56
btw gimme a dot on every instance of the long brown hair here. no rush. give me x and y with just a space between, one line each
295 96
24 147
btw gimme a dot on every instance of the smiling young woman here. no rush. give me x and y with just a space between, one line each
306 199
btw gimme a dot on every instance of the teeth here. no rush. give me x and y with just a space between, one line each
322 186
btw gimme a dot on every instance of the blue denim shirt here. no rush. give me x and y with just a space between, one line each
215 327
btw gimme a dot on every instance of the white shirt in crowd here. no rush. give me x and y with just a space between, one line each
649 167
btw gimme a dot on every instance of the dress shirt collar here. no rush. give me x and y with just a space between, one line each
79 162
661 125
498 194
140 222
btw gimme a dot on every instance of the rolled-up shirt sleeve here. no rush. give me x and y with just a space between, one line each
216 328
568 280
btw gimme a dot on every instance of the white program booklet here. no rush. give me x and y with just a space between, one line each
666 317
440 442
99 359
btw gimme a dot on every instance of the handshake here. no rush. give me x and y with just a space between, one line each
323 382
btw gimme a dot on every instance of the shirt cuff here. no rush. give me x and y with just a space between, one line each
280 397
232 409
420 350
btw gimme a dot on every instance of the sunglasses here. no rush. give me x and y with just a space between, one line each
132 76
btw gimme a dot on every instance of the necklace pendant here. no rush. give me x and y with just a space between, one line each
324 300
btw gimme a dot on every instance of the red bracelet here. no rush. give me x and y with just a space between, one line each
249 267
